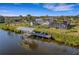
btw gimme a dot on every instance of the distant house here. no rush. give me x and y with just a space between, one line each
63 25
13 19
45 23
41 21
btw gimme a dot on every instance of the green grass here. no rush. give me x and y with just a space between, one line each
62 36
9 28
2 26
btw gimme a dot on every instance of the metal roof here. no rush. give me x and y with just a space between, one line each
26 29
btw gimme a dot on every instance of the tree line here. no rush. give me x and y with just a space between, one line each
32 18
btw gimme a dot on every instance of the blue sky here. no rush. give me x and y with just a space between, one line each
39 9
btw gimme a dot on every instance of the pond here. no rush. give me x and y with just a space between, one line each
14 44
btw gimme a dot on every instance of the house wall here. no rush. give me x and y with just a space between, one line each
59 25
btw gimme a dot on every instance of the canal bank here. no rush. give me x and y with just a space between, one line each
66 36
11 43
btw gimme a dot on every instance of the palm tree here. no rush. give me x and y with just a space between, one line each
20 17
30 19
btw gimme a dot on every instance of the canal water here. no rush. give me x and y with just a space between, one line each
14 44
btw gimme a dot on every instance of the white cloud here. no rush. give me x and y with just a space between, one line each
36 3
17 3
5 14
59 7
4 11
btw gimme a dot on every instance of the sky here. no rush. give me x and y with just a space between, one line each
39 9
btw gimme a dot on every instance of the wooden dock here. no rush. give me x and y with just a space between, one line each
41 35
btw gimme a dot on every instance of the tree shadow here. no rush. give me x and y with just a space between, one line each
70 26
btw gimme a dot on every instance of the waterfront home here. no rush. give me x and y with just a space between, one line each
45 23
41 21
60 25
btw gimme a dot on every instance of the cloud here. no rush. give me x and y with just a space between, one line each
59 7
17 3
4 11
5 14
36 3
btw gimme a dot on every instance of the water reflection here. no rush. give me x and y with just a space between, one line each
11 43
47 47
31 44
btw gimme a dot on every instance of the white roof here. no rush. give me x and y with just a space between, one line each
25 29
